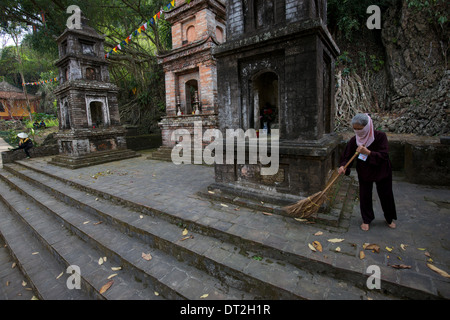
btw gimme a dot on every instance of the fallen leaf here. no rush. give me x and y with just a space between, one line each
86 222
7 283
427 254
300 219
106 286
400 266
224 205
204 296
35 253
372 246
436 269
362 255
311 247
34 298
60 275
100 261
335 240
338 249
317 245
116 268
146 256
156 293
421 249
141 217
318 233
185 232
13 265
97 223
112 276
268 214
187 237
389 249
24 284
403 246
212 192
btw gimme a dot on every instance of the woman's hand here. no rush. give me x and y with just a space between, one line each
363 150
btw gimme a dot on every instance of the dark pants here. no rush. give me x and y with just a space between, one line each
26 149
386 196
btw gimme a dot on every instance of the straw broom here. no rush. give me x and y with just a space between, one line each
307 207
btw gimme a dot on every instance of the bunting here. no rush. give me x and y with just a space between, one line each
144 27
39 82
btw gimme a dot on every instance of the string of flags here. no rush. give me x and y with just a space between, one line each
145 26
37 83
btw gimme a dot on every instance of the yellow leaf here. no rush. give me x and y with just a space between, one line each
317 245
156 293
106 286
389 249
436 269
335 240
185 232
338 249
60 275
362 255
311 247
204 296
421 249
100 261
112 276
318 233
146 256
116 268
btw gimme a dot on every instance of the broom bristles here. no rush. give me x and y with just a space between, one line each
307 207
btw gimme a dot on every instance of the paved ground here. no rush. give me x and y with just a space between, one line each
423 215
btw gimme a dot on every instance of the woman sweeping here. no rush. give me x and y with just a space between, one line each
372 165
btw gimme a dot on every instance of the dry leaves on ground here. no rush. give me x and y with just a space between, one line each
146 256
106 286
371 246
439 271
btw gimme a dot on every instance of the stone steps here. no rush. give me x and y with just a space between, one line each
243 262
90 241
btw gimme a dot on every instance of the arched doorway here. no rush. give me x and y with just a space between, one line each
265 94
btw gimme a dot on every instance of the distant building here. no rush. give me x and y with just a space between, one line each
13 103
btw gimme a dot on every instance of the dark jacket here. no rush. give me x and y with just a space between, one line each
377 166
25 143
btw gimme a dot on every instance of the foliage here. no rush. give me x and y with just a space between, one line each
134 68
350 16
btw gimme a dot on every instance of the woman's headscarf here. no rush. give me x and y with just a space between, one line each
365 136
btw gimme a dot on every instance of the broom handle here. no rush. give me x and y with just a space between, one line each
335 178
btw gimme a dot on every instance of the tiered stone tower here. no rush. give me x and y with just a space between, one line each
89 124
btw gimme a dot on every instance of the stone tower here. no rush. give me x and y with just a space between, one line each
279 60
190 69
89 124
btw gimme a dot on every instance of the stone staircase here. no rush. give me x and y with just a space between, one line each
50 223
